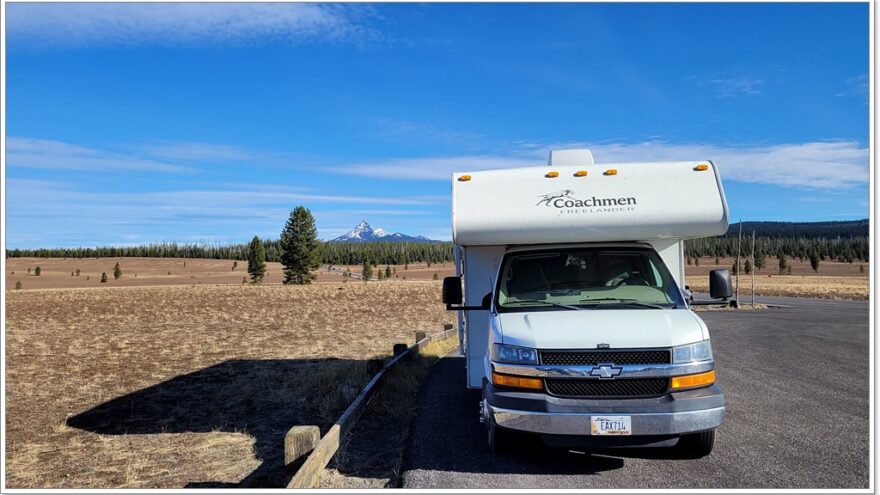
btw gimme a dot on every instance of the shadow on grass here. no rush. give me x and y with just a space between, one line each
262 398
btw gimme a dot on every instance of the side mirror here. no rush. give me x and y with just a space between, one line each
452 290
452 296
719 284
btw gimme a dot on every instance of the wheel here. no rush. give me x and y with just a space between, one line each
696 445
500 441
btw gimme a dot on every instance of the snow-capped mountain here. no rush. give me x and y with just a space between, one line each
364 233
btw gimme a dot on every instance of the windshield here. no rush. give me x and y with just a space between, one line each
586 278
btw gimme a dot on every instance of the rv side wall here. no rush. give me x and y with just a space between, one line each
672 253
480 263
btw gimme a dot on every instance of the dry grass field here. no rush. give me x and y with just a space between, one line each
181 386
834 280
56 273
191 379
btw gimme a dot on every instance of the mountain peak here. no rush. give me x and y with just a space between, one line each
363 232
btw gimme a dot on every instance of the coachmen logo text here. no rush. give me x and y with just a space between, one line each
566 202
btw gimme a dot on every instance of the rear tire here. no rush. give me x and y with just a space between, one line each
696 445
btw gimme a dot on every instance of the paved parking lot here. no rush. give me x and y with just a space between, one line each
796 380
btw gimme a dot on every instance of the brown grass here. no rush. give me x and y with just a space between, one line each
371 456
140 272
834 280
189 386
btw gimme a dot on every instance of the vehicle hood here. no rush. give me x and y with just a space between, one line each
587 329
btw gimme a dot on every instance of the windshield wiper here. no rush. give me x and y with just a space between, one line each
566 306
634 302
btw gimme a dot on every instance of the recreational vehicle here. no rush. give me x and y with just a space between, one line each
573 313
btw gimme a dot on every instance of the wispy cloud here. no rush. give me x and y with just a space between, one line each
812 165
855 86
437 168
397 130
61 25
70 215
27 152
198 152
728 87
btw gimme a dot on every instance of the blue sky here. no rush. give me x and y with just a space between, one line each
137 123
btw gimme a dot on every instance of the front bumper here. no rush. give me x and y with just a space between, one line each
674 414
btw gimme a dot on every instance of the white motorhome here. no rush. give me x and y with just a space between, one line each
572 309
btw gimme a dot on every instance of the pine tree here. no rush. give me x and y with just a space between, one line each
717 261
696 261
37 271
367 272
783 264
747 266
299 244
104 277
814 261
381 275
234 265
77 272
760 258
256 260
18 285
117 272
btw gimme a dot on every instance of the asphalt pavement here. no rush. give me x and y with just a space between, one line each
796 382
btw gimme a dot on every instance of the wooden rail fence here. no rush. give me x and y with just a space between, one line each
302 440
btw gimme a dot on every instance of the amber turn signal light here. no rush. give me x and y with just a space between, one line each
693 381
516 381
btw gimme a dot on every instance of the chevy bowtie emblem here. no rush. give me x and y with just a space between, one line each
605 371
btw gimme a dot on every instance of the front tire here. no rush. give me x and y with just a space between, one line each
696 445
499 440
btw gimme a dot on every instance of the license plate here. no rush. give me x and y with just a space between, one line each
610 425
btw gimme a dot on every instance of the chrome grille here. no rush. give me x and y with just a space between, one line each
600 356
585 388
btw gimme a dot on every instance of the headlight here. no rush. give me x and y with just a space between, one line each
514 355
701 351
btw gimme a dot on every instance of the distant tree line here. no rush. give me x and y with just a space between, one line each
835 241
815 241
334 253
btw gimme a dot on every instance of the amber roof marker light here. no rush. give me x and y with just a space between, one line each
552 175
464 178
611 171
701 167
580 173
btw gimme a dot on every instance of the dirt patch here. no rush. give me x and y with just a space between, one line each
744 306
170 387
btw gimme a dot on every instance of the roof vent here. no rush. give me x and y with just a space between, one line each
577 157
